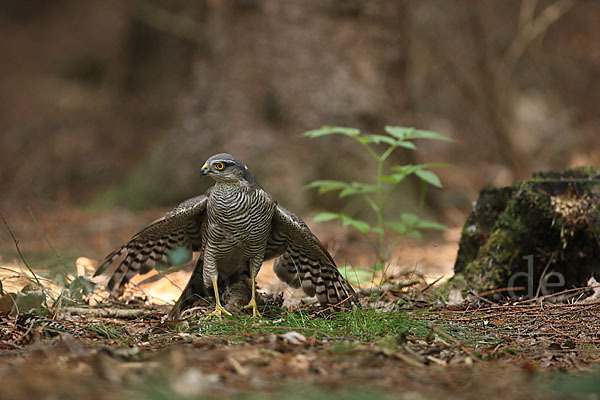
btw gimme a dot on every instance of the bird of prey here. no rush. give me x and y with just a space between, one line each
234 226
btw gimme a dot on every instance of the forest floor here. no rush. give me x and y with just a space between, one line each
403 342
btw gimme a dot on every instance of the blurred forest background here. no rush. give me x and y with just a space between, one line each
118 103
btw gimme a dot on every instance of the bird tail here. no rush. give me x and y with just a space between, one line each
323 281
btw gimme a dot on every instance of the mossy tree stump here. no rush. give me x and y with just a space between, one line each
542 234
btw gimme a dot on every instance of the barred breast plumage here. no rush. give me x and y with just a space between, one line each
235 226
238 223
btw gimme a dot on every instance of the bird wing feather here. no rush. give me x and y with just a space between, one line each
179 228
302 261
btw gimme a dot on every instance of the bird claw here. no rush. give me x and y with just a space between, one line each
253 306
219 309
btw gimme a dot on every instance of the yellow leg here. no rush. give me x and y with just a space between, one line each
252 303
219 309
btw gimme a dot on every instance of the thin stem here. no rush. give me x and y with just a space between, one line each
388 196
369 148
379 188
381 202
45 295
387 153
373 245
370 201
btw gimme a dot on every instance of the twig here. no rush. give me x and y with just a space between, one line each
558 294
426 288
573 337
488 292
376 289
42 288
108 312
454 342
14 345
528 32
408 360
537 292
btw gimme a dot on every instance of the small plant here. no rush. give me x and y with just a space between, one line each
378 193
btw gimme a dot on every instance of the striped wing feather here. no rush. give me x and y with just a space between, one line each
303 261
179 228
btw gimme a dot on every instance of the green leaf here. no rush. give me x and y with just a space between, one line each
394 178
331 130
179 255
356 275
160 267
435 165
326 216
414 233
348 191
409 133
425 224
405 169
407 145
361 226
413 221
410 219
378 267
429 177
357 188
397 226
399 132
377 139
326 185
377 230
357 224
422 134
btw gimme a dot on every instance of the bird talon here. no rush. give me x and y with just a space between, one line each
254 307
219 310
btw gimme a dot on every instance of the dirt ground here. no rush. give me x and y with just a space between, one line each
405 342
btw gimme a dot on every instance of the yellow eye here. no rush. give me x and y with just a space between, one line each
219 166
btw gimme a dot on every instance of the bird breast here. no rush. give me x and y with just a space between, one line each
238 221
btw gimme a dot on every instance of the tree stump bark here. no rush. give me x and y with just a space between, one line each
542 234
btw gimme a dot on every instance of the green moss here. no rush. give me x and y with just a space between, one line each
478 227
533 218
456 282
584 172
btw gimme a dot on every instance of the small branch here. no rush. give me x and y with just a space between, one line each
388 196
108 312
426 288
387 153
382 288
369 148
528 32
537 292
371 202
372 244
42 288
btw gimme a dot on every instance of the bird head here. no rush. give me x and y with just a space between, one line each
224 167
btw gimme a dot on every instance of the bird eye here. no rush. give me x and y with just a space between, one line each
219 166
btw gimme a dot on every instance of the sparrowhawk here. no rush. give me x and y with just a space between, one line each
235 226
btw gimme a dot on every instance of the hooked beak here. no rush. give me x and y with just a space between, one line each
204 170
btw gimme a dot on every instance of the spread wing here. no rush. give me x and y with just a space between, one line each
174 235
303 261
